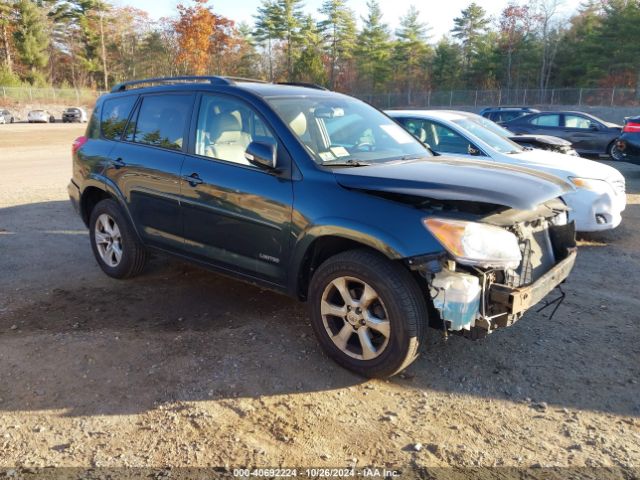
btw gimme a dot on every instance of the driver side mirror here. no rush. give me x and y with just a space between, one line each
473 150
261 154
594 126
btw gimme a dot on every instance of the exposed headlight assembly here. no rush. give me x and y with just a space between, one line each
592 184
476 244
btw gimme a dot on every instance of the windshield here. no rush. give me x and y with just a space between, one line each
345 130
496 137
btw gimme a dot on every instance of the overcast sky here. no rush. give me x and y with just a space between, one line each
437 14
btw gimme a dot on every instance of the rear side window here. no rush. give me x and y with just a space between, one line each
162 121
547 120
115 113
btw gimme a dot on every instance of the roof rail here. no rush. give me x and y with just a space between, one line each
213 80
304 84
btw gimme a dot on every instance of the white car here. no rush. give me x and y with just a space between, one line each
40 116
598 199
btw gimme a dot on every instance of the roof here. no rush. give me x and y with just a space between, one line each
259 87
440 114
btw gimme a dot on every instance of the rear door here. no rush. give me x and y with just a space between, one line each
146 166
542 124
586 134
236 216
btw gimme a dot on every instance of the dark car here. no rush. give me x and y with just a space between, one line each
501 115
545 142
320 196
6 117
588 134
628 145
74 115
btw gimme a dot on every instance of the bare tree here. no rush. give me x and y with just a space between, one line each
548 27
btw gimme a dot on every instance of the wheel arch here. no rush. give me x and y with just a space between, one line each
97 189
314 249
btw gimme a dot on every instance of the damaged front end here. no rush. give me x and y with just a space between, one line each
497 267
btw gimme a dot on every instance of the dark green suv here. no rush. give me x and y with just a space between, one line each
322 197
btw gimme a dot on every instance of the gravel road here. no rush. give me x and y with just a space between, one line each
183 367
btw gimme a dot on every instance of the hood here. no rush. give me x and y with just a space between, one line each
565 166
444 178
545 139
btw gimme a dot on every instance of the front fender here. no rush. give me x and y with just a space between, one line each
388 244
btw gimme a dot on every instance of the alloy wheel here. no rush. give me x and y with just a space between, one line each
355 318
108 240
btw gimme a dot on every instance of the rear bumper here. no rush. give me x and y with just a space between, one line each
74 195
519 299
629 149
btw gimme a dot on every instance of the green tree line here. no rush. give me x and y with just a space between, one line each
94 43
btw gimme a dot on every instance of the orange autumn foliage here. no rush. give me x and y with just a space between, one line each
201 36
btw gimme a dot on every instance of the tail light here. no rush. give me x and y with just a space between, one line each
631 127
77 143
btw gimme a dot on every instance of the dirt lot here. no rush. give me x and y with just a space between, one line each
182 367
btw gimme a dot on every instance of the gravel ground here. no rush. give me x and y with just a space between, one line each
182 367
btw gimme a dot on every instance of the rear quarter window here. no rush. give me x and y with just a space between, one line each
115 113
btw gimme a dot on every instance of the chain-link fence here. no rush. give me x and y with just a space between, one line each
595 97
48 95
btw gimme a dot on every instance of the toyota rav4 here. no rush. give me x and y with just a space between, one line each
322 197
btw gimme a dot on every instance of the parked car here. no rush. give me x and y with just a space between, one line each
500 115
628 144
596 203
74 115
589 135
40 116
320 196
543 142
6 117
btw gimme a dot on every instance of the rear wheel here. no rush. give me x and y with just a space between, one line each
367 312
614 152
115 245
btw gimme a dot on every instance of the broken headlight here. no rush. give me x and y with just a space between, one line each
477 244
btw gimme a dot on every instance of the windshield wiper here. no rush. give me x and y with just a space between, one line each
346 163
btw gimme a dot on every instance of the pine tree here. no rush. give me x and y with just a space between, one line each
267 29
469 28
31 37
290 19
308 66
339 31
411 50
373 51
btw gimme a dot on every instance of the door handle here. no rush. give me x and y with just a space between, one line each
119 163
193 179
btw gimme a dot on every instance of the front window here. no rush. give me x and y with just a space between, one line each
498 142
341 129
226 127
577 121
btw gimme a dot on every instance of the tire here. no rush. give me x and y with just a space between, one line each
133 256
614 152
398 301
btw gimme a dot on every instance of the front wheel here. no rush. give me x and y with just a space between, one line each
367 312
115 245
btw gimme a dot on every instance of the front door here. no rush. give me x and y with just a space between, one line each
146 167
236 216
